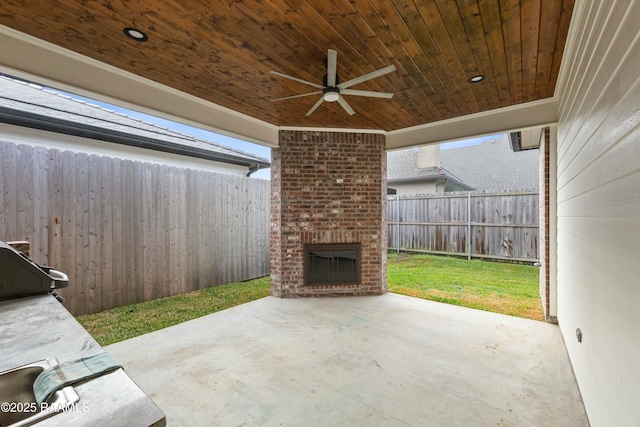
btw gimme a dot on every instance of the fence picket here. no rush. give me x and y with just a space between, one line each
503 225
126 231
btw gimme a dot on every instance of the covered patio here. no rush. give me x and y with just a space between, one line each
375 360
560 74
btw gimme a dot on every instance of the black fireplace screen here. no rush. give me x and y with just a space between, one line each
330 264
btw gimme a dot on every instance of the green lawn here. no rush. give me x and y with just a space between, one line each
129 321
502 288
492 286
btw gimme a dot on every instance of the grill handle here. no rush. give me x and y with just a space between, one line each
60 279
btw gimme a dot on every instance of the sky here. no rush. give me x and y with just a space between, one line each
468 142
239 144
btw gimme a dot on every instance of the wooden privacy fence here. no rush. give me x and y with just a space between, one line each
497 225
126 232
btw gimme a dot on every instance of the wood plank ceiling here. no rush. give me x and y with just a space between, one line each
223 52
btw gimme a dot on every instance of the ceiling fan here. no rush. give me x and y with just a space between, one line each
332 90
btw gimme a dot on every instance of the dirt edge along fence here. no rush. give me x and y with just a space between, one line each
498 225
126 231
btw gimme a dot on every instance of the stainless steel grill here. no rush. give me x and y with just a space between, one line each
21 277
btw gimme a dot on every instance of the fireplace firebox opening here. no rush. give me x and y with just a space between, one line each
332 264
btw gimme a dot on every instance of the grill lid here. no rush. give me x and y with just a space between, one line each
20 276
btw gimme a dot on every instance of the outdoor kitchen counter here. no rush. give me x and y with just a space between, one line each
39 327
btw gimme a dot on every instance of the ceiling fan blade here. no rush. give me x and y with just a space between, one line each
368 93
297 96
346 106
369 76
332 62
316 105
295 79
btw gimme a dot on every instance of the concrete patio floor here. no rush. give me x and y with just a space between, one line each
389 360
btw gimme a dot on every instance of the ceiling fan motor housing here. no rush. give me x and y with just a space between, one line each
325 80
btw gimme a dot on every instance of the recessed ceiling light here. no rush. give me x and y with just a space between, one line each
476 79
136 35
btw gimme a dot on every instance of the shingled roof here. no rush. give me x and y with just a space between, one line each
493 166
402 167
27 104
489 166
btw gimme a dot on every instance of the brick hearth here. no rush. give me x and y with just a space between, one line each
328 187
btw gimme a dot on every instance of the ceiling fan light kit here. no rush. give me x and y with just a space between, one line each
332 90
331 95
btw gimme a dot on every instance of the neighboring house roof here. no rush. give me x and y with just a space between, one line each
489 166
493 166
401 167
30 105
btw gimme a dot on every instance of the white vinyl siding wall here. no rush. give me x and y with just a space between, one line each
598 195
414 187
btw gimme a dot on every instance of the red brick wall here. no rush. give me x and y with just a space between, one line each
328 187
544 222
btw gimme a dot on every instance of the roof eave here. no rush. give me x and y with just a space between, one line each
442 178
50 124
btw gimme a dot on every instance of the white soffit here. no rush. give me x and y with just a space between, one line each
536 114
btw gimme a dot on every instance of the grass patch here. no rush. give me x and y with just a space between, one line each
129 321
502 288
511 289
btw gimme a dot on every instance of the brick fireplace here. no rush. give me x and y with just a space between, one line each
328 205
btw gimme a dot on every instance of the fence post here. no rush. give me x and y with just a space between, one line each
468 224
449 229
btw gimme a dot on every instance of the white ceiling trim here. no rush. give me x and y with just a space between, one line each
534 114
343 130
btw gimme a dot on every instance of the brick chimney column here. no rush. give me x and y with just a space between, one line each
328 187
